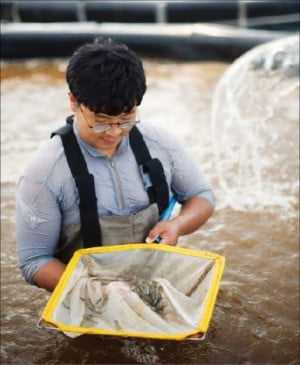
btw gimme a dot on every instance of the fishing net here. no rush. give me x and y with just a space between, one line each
140 290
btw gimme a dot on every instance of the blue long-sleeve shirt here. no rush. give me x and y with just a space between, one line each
47 197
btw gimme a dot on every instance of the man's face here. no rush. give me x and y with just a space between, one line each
103 131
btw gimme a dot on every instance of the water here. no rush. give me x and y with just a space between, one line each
255 119
255 320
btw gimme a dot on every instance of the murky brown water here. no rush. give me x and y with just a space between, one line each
256 316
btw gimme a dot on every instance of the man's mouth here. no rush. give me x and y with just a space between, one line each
111 140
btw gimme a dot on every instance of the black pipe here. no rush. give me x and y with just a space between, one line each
6 11
120 12
207 11
141 12
272 8
201 43
47 11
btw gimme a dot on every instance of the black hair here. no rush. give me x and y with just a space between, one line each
106 77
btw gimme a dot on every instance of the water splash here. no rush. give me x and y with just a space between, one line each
30 217
254 126
32 220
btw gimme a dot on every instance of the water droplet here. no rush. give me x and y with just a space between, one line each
32 220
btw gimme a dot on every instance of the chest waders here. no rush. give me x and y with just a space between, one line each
91 233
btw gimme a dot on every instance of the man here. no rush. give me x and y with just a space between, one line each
105 177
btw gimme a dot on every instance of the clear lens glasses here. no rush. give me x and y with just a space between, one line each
103 127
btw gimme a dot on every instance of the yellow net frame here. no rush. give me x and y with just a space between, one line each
219 261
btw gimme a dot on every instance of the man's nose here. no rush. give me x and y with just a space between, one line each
114 130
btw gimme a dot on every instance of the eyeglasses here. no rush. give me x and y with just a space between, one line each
103 127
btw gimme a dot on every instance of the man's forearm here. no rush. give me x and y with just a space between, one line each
49 274
194 213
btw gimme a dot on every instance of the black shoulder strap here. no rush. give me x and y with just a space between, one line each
159 191
90 226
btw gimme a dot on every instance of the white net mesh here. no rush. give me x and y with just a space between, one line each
135 291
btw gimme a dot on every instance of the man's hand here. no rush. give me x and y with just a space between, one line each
194 213
166 230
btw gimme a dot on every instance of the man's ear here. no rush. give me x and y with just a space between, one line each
73 102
